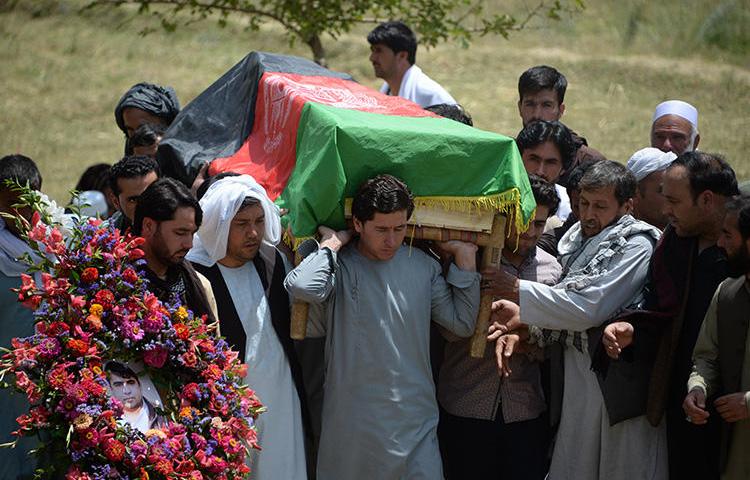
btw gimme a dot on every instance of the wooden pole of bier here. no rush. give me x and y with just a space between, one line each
298 328
490 259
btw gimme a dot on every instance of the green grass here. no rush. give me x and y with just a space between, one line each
64 72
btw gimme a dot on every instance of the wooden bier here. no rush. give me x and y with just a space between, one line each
298 329
483 228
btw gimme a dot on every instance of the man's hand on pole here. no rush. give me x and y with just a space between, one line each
332 239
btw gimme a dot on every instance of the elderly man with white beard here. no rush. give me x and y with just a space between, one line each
674 127
605 261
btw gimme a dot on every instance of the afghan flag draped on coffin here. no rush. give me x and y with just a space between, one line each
310 136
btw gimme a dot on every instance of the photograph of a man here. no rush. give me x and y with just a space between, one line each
125 386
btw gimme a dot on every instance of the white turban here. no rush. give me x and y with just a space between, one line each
679 108
646 161
220 204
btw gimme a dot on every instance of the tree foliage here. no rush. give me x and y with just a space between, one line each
308 20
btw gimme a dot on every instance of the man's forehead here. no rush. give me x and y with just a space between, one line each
250 212
544 94
672 123
599 194
392 219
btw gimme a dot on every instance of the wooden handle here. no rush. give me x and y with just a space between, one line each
490 258
299 320
298 328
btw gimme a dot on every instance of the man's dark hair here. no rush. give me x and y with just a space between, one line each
201 191
453 111
707 171
161 200
539 78
96 177
541 131
740 205
396 36
146 135
20 169
381 194
575 176
121 370
132 167
544 194
610 174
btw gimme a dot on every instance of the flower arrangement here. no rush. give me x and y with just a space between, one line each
92 305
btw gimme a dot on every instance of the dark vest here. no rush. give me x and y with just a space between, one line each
278 302
732 317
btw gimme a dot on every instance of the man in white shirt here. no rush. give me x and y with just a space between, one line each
393 48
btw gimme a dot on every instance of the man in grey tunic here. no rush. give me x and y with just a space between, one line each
378 296
605 260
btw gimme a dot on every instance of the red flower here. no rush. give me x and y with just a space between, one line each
156 357
213 372
135 254
182 331
78 347
191 392
163 466
189 359
90 275
114 450
88 437
105 298
129 275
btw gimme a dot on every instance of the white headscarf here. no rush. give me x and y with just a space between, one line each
220 204
646 161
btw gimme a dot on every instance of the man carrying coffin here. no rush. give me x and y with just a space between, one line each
379 410
235 249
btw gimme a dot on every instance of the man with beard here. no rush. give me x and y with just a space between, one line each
235 248
379 410
648 166
721 359
605 262
674 127
685 271
166 216
493 423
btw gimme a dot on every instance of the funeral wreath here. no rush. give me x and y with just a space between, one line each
91 304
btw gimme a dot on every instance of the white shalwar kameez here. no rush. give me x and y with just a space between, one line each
280 427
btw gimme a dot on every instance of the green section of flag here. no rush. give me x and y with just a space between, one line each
337 149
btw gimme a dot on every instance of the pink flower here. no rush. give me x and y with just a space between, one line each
77 302
132 330
49 347
156 357
153 322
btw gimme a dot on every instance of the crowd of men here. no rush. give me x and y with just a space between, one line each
620 325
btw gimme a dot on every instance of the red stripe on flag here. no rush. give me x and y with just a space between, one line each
269 152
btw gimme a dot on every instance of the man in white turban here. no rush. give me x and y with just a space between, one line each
648 165
235 249
674 127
